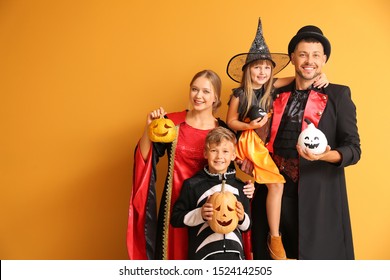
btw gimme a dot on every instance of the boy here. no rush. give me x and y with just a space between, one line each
193 210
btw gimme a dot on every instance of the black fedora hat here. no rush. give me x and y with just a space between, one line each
310 31
258 51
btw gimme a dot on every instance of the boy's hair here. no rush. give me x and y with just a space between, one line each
216 135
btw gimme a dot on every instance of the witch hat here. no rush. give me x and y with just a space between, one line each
258 51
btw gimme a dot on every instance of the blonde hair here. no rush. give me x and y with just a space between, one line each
216 83
216 135
246 83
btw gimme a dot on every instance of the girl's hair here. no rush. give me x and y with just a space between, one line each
215 81
246 83
216 135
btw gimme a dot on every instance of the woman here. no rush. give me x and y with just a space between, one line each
149 237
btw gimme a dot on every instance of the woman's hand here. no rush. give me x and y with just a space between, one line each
155 114
145 143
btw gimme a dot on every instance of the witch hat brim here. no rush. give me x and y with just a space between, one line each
239 61
258 51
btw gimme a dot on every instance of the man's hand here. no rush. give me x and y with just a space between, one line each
246 166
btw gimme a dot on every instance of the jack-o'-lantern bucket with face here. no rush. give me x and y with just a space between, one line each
225 217
313 139
162 130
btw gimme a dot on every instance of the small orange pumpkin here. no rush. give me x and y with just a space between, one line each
162 130
225 217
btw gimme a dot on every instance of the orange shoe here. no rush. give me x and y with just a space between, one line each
275 248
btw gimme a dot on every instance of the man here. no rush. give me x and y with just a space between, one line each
315 222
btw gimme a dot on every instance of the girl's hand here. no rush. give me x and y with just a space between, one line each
321 81
240 211
249 189
259 122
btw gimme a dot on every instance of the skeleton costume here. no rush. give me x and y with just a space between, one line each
205 243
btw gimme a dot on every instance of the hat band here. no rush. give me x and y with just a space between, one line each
257 56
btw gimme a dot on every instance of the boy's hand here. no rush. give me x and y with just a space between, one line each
240 211
207 210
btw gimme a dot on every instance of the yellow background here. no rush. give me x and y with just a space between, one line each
77 79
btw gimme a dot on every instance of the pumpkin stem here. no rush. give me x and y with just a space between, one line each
223 186
307 121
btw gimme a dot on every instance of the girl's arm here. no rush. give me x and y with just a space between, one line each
233 121
281 82
321 81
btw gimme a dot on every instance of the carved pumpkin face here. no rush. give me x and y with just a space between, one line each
162 130
225 217
313 139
